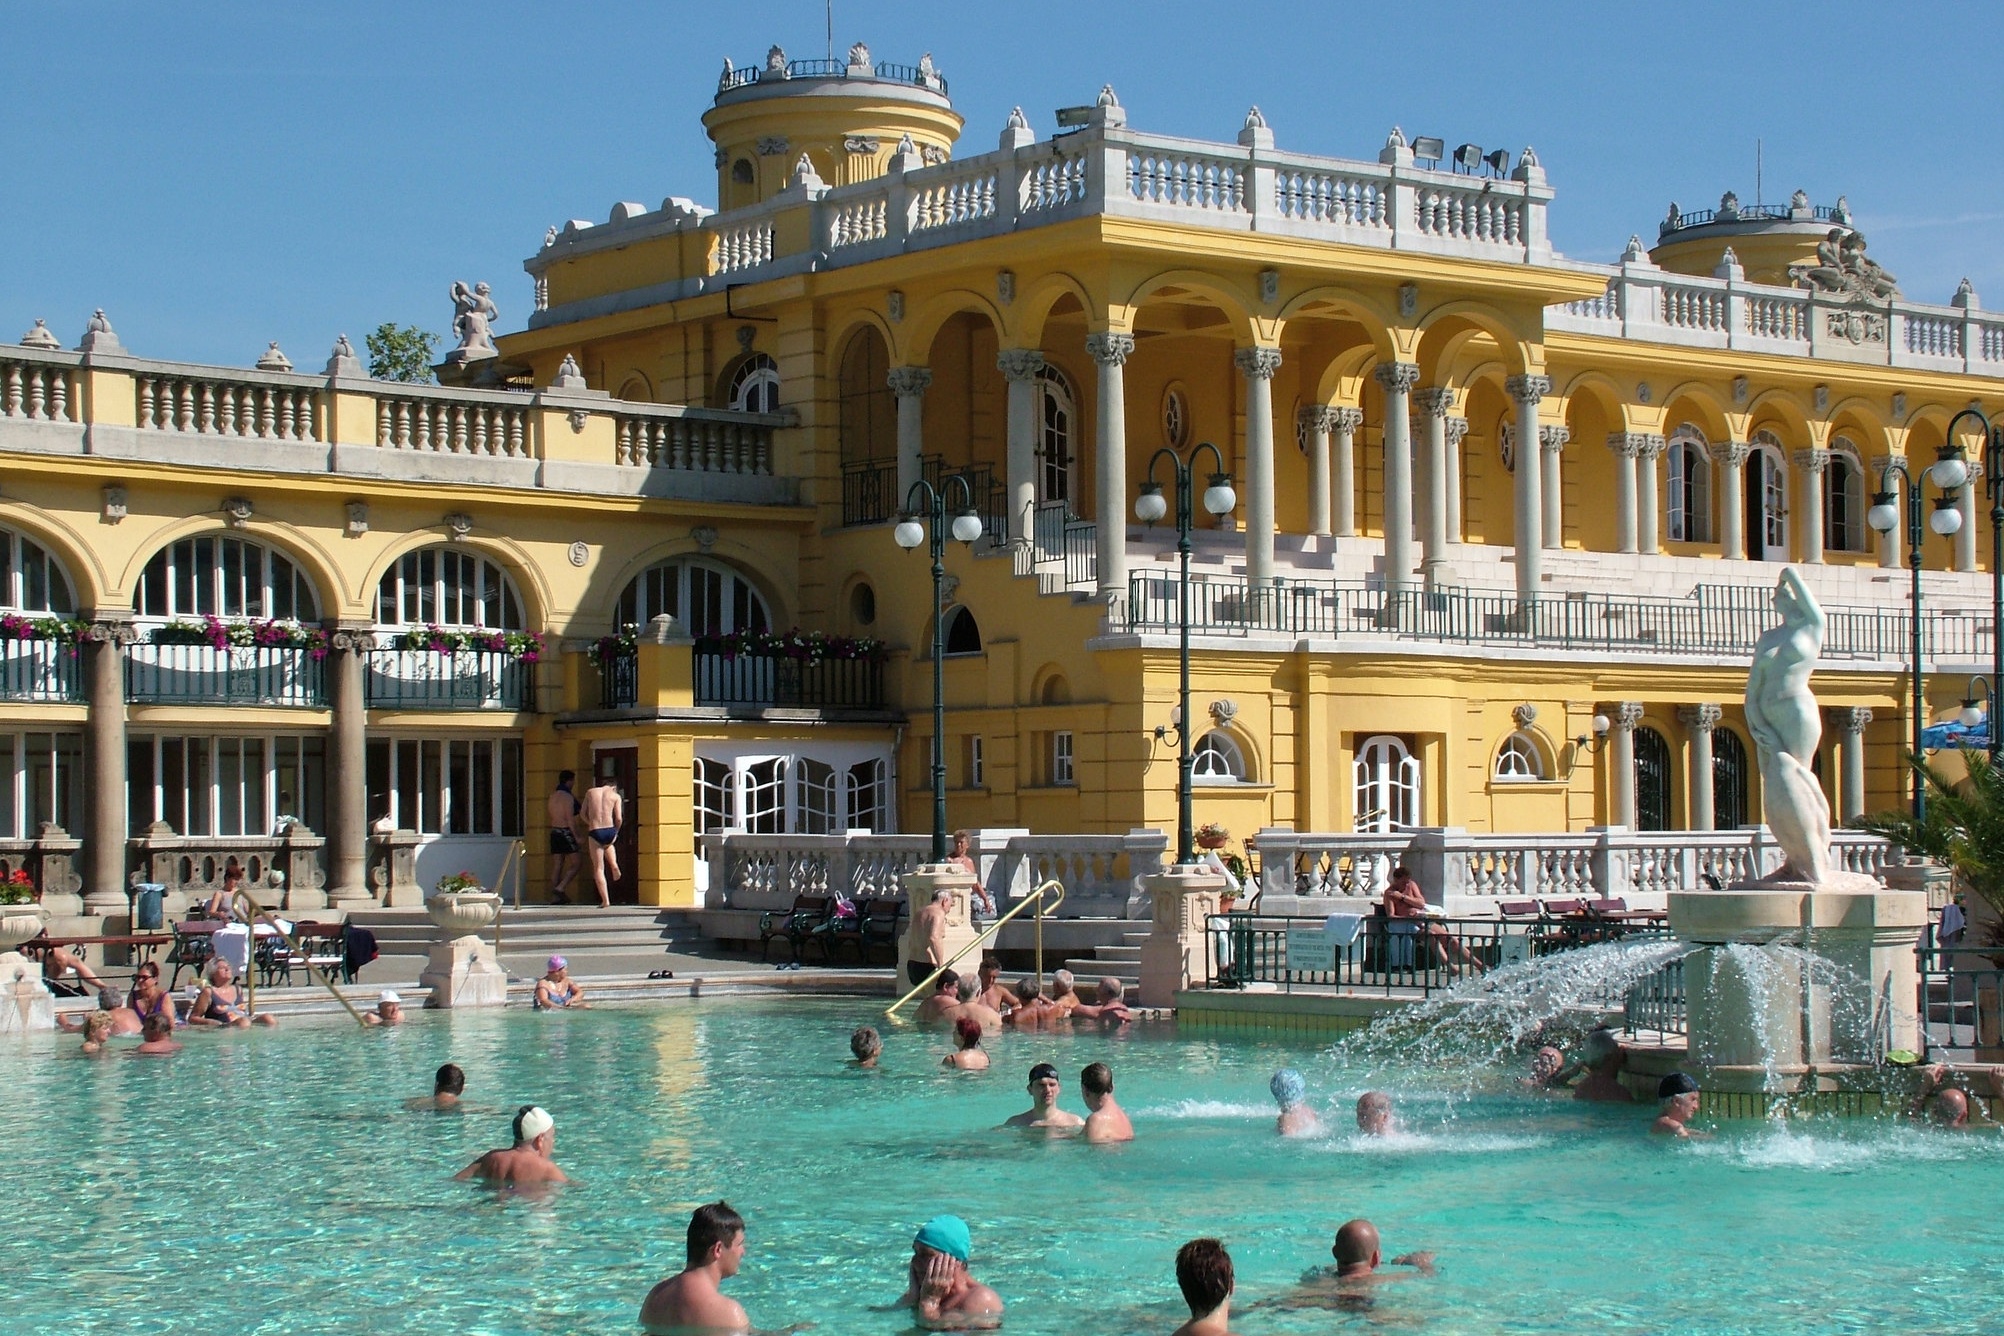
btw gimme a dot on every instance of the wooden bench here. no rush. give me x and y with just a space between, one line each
194 943
877 923
810 919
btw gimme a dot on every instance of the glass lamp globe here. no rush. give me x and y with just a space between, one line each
1884 514
1219 498
1972 714
1949 472
1946 518
1151 505
1601 724
966 526
909 534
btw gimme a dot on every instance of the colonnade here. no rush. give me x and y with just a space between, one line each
1700 720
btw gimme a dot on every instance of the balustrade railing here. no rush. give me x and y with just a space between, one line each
466 679
45 671
448 422
762 678
618 679
744 245
870 493
692 439
38 391
168 674
268 408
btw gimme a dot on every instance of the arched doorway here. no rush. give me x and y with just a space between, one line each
1652 780
1767 500
1387 785
1729 780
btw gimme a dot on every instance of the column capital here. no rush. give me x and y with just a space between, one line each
1553 437
1628 444
1812 461
1110 349
1257 363
1652 444
1852 718
1730 453
1527 389
1343 417
1433 401
351 639
1457 427
1624 715
909 382
1317 417
111 631
1699 718
1397 377
1018 365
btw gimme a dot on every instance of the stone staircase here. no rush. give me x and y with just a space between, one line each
1122 962
626 939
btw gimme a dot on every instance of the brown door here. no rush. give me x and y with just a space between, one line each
621 766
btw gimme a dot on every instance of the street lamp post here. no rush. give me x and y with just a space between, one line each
1948 472
922 503
1993 485
1149 507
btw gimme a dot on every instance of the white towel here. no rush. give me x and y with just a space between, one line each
1342 929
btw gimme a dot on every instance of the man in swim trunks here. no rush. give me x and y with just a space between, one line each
1106 1121
1204 1274
945 996
939 1290
927 938
693 1300
1677 1105
565 856
602 811
1044 1111
528 1160
557 990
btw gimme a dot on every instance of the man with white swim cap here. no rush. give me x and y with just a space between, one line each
1290 1091
528 1160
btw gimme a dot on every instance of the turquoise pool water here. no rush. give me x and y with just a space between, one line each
271 1182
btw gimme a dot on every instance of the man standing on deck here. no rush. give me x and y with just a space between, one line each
1044 1111
564 852
928 938
602 812
528 1160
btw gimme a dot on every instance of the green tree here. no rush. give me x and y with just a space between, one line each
1964 825
401 352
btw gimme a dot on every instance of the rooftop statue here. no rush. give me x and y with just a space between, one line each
1843 268
473 321
1786 725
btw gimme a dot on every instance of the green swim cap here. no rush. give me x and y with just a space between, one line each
947 1234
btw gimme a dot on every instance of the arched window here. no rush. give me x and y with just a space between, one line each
1652 780
706 597
1767 499
1056 437
34 581
1217 759
1386 786
1690 500
1729 780
755 386
963 633
447 586
867 412
218 576
1844 500
1519 760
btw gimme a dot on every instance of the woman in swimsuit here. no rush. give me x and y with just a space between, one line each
221 1001
556 990
148 997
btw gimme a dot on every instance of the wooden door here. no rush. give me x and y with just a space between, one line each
621 766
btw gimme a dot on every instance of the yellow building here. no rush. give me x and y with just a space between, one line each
1409 617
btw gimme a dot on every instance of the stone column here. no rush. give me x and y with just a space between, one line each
1851 723
1626 447
1457 428
909 383
1965 502
1621 757
1432 404
104 766
1259 366
1174 955
920 884
1397 380
1551 444
1889 542
1111 351
1315 423
1019 367
346 667
1343 423
1731 457
1527 391
1809 508
1701 720
1647 508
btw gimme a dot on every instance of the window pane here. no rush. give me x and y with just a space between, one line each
234 602
201 794
511 786
410 811
377 764
257 796
229 786
69 780
174 784
310 796
459 787
431 788
282 606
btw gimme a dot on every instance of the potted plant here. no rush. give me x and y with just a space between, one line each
20 917
459 905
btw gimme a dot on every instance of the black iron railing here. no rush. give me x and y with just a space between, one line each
870 493
466 679
238 675
779 680
618 679
39 670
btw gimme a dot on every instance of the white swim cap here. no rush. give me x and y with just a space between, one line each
389 996
532 1122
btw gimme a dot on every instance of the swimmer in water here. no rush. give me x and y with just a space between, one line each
1677 1104
969 1055
1044 1111
1604 1059
693 1301
1358 1270
1204 1274
448 1083
939 1290
528 1160
1106 1121
1290 1091
867 1046
1374 1114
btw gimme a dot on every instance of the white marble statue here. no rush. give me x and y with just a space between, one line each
1786 725
473 321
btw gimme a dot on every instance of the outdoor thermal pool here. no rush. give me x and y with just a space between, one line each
272 1182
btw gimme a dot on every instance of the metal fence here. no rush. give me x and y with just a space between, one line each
1961 1000
467 679
39 670
618 679
237 675
774 679
1656 1002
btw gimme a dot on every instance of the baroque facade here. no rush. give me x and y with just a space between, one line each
1505 522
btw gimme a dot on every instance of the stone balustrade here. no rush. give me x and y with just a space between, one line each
192 868
50 860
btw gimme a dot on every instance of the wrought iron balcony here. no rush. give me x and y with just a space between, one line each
462 679
39 670
778 680
238 675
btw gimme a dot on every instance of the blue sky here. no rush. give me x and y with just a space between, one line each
218 176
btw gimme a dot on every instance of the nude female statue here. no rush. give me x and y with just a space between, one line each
1786 725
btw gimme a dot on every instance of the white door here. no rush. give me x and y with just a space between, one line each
1387 793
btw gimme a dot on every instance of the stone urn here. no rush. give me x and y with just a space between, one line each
25 1003
463 913
20 923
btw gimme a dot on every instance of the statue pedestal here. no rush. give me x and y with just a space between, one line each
463 973
1173 956
1760 1013
25 1003
920 885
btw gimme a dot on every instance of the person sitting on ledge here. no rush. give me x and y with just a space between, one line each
389 1010
968 1056
556 990
1044 1111
528 1160
447 1085
944 997
941 1293
1677 1105
1297 1117
1204 1274
1603 1059
1107 1121
221 1001
157 1039
1374 1114
867 1046
222 903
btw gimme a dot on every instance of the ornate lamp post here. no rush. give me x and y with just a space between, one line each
923 502
1149 507
1948 472
1993 484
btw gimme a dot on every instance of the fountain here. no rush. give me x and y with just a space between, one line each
1804 976
461 970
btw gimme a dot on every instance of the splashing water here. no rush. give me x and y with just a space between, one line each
1797 1007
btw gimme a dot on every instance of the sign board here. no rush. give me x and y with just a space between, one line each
1513 948
1310 950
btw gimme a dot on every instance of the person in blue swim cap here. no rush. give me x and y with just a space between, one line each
939 1290
1290 1091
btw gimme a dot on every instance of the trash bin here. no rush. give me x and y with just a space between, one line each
148 899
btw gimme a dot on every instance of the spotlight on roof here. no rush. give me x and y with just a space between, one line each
1499 162
1070 118
1429 148
1468 157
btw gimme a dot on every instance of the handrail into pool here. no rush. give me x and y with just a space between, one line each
515 849
258 911
1035 897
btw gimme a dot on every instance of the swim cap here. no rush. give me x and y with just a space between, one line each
1039 1072
1676 1083
947 1234
389 996
1288 1087
532 1122
557 963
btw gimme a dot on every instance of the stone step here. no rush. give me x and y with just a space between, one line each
625 931
1086 973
